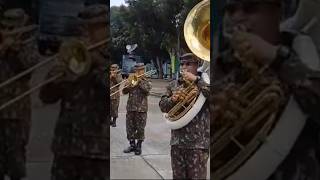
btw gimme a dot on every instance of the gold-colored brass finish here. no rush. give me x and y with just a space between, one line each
197 30
132 80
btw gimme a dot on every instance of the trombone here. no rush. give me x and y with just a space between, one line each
17 33
132 79
73 66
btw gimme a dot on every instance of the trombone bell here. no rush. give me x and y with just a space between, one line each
75 54
197 30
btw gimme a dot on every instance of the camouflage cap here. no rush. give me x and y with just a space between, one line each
189 57
139 66
14 17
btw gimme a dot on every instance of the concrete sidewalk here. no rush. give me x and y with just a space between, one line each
155 161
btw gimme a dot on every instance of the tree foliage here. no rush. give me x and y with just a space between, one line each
152 24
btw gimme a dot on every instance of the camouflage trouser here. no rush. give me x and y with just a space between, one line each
136 122
79 168
189 163
13 143
114 107
303 161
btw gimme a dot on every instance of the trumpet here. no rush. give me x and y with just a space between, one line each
78 66
132 80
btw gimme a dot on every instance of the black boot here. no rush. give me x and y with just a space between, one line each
131 148
114 122
138 148
111 121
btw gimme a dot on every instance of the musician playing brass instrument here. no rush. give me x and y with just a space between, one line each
256 44
189 144
15 120
115 78
137 108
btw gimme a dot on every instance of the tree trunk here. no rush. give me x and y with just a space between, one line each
160 69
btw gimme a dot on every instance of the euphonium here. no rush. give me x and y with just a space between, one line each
197 37
245 119
188 95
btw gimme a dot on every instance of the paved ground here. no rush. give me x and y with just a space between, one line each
154 163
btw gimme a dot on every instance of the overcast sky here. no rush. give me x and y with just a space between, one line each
116 2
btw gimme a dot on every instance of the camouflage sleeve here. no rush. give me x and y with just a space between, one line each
119 78
204 88
304 83
126 90
145 86
166 103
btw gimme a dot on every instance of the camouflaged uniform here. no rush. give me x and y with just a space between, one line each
115 99
304 85
189 144
137 108
15 119
81 136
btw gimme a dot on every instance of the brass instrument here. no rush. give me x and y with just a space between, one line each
73 53
21 35
245 118
190 93
132 81
197 30
197 36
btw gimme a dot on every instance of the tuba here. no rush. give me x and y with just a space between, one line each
197 36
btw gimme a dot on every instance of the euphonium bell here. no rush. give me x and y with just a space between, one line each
197 30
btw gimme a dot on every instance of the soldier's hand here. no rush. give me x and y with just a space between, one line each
249 45
177 95
189 76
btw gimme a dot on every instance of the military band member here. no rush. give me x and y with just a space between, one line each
115 78
189 144
137 108
81 135
255 34
15 119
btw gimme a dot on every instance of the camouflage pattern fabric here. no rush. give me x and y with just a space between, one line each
138 96
115 99
82 128
135 124
114 107
189 144
304 85
13 148
189 163
16 118
137 107
196 134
